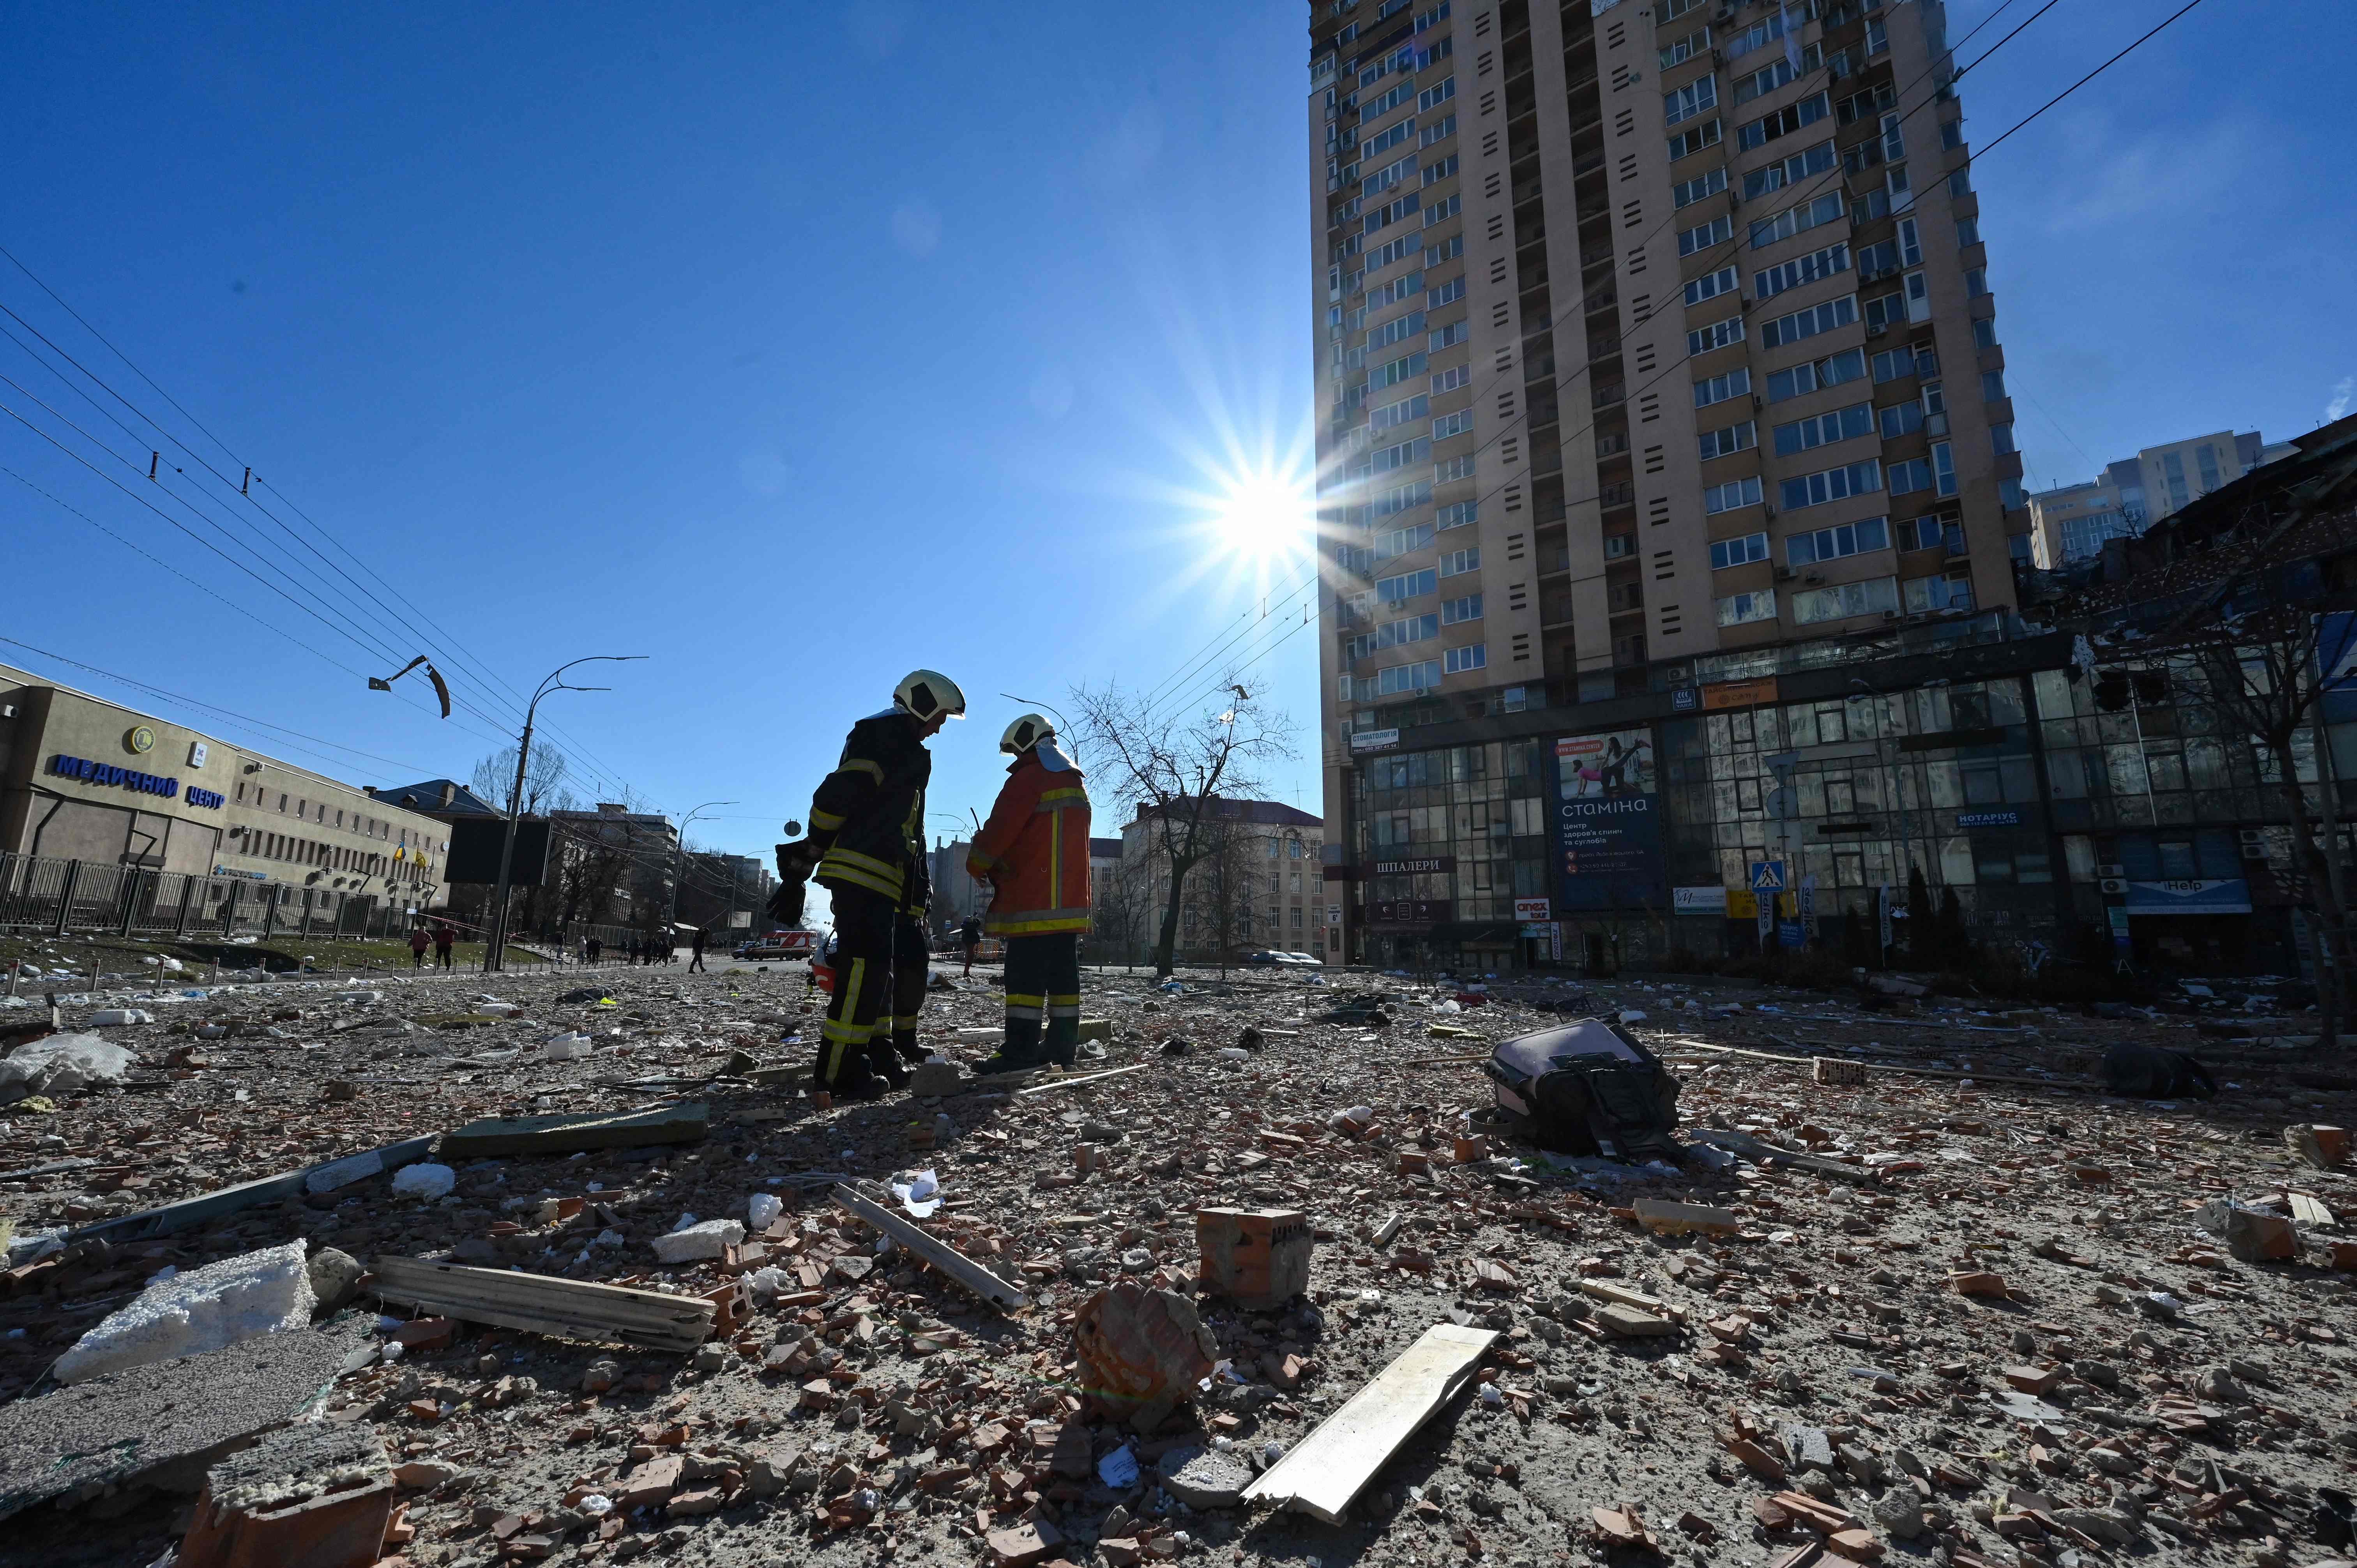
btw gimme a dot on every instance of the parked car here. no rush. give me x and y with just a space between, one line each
1311 960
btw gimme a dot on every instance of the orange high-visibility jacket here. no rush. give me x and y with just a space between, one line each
1034 851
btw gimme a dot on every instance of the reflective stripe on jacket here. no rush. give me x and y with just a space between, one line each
869 815
1034 851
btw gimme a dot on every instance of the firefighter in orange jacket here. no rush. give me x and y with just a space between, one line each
1034 852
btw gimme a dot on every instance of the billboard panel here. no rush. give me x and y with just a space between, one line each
1608 822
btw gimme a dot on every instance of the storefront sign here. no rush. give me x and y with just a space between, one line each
1608 826
88 772
1375 740
1739 693
1685 699
207 799
1408 914
1415 867
1809 908
2221 897
1532 909
233 871
1698 901
1988 820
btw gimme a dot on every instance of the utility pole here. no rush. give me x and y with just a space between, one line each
494 958
679 863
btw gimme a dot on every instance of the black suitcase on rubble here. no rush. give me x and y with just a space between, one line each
1587 1088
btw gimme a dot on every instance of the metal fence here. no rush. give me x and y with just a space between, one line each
84 898
65 897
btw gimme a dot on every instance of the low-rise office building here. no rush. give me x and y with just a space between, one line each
83 779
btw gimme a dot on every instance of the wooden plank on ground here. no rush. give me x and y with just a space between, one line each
1333 1464
543 1304
681 1124
1056 1083
1001 1295
208 1205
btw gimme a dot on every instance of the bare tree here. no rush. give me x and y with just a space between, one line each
2265 670
1176 765
1119 905
1228 874
494 779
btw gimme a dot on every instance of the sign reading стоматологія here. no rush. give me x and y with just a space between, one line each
1607 824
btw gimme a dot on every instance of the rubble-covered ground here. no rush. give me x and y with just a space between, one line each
2125 1388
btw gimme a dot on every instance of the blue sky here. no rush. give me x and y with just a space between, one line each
796 345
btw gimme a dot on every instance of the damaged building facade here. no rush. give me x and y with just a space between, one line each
1713 579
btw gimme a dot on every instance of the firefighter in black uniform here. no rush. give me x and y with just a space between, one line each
867 847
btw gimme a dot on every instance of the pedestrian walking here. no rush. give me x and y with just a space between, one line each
695 940
1034 852
419 940
446 937
867 847
970 939
597 950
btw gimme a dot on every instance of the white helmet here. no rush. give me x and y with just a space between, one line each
1024 734
929 693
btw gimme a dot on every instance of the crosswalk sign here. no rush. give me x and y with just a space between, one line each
1767 876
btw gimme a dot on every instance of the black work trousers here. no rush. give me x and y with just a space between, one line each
1043 999
880 970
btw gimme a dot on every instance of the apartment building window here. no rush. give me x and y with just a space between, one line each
1949 591
1992 386
1784 122
1692 99
1847 366
1788 171
1909 476
1400 678
1445 250
1730 496
1844 600
1799 324
1694 139
1899 419
1684 49
1449 424
1457 514
1439 131
1943 469
1398 542
1446 294
1395 330
1433 97
1830 262
1702 237
1779 74
1385 459
1397 371
1448 336
1686 192
1797 219
1726 442
1450 380
1455 612
1738 552
1831 485
1399 499
2205 458
1718 334
1741 609
1401 413
1387 138
2001 438
1458 661
1719 389
1388 176
1833 543
1885 310
1434 173
1893 363
1759 35
1823 429
1710 285
1408 585
1457 562
1453 469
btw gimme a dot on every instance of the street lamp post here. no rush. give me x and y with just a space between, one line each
679 867
495 959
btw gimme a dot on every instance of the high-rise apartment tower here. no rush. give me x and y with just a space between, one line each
1651 337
